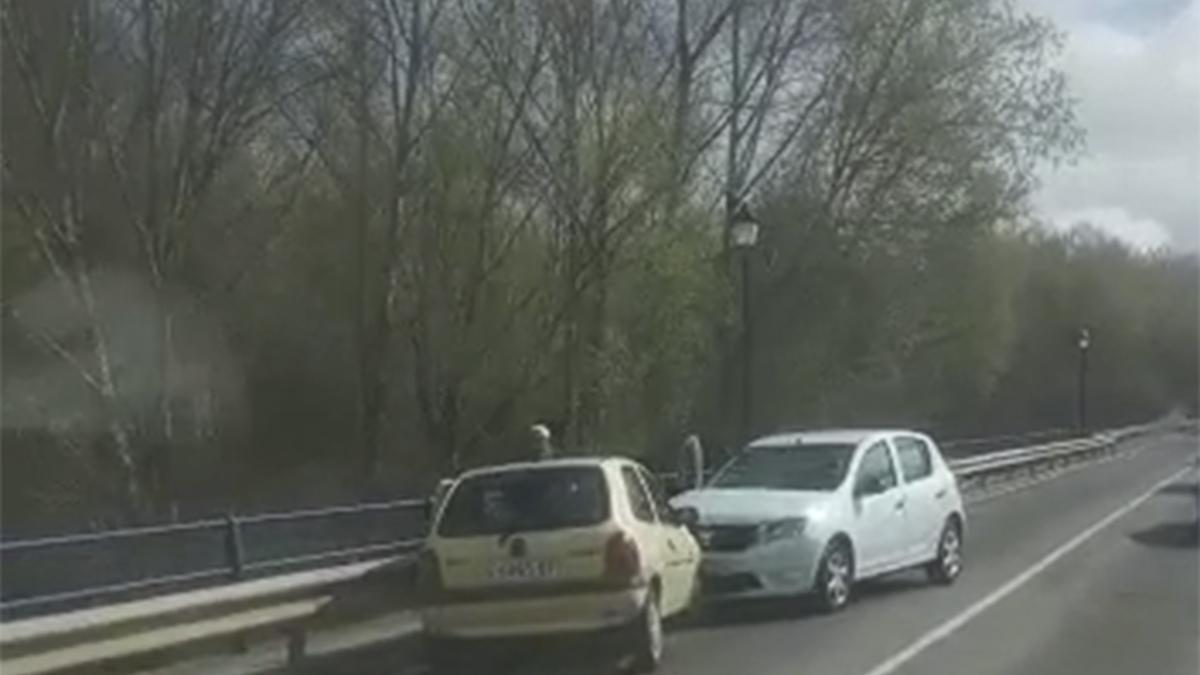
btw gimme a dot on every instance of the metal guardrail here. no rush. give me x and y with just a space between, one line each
79 570
969 471
290 605
967 447
1023 457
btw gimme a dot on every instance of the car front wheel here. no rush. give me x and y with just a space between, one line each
835 576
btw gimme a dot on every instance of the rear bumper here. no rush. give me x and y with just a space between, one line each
570 613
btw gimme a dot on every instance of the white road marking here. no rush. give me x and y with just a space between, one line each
944 630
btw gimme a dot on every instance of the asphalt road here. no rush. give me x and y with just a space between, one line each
1094 571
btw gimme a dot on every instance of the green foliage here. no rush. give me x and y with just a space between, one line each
394 239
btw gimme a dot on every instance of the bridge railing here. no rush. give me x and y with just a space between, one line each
52 574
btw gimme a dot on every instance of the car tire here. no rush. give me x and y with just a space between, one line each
647 637
835 577
946 567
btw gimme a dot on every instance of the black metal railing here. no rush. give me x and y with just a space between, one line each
966 447
74 571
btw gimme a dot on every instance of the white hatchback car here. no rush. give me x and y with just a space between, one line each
816 511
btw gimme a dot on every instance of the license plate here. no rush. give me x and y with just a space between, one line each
523 570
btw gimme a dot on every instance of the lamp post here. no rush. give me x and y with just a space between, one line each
1084 342
743 235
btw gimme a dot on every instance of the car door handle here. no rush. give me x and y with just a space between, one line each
899 504
940 494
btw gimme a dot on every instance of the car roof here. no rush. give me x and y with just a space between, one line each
560 462
819 436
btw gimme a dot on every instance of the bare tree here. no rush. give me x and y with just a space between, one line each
62 115
150 101
514 211
383 89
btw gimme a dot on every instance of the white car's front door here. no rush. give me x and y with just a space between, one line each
879 512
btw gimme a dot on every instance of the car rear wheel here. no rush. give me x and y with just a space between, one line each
835 578
948 564
647 637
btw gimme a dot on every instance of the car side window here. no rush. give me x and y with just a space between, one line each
639 501
915 461
657 494
876 471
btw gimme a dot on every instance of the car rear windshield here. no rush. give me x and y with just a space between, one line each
818 467
526 500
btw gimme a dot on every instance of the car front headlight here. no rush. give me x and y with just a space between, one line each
778 530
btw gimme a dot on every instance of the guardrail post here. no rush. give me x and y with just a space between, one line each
235 553
235 558
297 643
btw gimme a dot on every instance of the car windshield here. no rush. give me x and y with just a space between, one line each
526 500
787 467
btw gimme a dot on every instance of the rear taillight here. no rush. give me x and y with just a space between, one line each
429 576
622 560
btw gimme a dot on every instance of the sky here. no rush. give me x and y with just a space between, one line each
1134 67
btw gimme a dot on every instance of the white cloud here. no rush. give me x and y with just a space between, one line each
1135 67
1141 233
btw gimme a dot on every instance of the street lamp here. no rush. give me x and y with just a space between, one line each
743 235
1084 342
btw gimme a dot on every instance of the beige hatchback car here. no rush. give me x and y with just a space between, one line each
556 547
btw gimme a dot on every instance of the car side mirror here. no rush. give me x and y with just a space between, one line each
686 516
